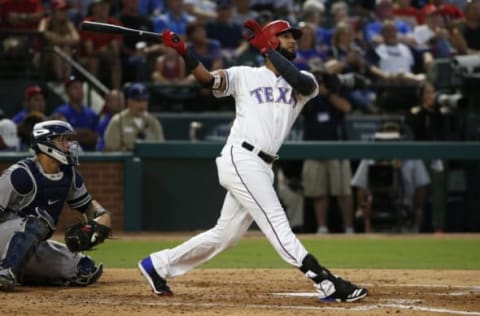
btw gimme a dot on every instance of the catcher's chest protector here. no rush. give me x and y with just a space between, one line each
48 194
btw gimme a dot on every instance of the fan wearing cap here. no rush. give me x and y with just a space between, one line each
433 36
134 123
268 100
33 101
83 119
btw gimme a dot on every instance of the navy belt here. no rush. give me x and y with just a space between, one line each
263 155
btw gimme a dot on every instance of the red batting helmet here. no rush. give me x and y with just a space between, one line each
274 28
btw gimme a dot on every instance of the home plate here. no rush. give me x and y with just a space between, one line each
297 294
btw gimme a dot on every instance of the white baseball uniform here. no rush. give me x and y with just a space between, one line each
266 108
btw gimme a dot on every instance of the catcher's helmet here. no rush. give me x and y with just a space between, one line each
274 28
42 141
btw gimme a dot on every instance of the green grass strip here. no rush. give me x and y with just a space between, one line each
361 253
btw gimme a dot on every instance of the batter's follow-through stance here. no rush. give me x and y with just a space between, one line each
32 194
268 100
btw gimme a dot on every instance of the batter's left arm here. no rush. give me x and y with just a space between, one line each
214 80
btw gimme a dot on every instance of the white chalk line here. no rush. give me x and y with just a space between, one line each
318 308
430 309
471 287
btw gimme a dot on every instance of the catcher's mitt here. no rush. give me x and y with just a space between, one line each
83 236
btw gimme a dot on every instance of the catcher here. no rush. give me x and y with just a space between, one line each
32 194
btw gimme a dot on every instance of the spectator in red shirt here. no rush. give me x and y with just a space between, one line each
22 14
103 49
451 14
19 15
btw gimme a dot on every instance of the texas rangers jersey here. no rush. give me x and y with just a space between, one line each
266 106
25 186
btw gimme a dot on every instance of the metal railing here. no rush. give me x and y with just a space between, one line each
83 72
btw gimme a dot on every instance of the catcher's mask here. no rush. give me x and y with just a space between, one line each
46 133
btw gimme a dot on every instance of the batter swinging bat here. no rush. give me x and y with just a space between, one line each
116 29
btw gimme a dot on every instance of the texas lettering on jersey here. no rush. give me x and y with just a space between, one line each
274 95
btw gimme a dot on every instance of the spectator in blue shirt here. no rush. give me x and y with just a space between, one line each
83 119
175 18
384 12
114 103
223 29
207 50
151 7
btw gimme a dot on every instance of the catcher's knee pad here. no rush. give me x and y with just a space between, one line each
87 272
23 243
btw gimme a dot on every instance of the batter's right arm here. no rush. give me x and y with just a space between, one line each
215 80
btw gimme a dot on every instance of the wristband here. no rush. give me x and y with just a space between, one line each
217 81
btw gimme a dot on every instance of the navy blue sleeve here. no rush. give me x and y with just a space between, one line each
78 197
21 181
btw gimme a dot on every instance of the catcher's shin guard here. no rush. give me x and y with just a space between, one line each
157 283
330 287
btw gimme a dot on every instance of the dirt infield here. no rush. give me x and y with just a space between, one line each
254 292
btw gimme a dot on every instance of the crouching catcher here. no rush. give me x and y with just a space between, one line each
32 195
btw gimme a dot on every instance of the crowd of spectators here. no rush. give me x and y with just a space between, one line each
397 38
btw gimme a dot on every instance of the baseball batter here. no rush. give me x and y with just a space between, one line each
32 194
268 100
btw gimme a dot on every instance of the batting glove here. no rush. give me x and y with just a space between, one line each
256 37
174 41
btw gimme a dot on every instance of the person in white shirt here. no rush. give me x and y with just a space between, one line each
9 140
395 59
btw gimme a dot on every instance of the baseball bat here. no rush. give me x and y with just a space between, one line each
116 29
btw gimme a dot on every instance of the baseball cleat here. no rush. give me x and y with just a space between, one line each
343 291
157 283
7 280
